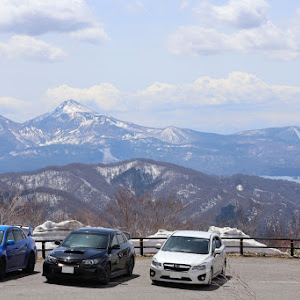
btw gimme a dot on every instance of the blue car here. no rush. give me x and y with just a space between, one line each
17 250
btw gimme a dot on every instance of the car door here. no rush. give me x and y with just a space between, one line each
217 259
115 254
10 250
124 250
21 246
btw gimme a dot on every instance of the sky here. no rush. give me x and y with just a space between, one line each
220 66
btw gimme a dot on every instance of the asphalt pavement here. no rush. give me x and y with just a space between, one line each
246 278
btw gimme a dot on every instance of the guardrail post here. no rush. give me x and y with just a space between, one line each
141 247
43 250
292 247
241 247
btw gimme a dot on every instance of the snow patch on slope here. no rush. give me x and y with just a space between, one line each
297 132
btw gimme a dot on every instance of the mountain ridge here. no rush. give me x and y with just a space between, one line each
75 133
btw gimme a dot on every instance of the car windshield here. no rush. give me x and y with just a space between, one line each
1 236
86 240
187 244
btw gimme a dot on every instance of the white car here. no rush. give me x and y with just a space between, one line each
193 257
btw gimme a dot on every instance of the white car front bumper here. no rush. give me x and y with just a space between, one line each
189 277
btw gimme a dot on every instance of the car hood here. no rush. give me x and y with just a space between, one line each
78 253
180 257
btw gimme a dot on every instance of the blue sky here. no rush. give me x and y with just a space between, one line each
217 66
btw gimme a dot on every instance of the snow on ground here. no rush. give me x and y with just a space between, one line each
53 231
58 231
223 232
233 245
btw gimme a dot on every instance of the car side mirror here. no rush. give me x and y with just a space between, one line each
116 247
57 243
217 251
30 231
10 242
158 246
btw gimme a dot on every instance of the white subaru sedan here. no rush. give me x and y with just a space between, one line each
193 257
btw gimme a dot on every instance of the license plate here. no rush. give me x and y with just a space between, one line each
175 275
67 269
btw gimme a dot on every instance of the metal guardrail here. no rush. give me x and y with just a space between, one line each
242 247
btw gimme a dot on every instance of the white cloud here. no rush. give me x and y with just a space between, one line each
236 13
92 34
35 17
104 96
268 40
21 46
237 90
239 27
14 109
239 102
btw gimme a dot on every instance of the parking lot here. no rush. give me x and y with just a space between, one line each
246 278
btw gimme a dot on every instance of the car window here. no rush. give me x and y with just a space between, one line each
187 244
218 243
10 236
125 238
114 241
86 240
120 239
18 235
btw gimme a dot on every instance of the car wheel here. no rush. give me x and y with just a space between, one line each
130 266
210 275
106 274
2 269
50 278
30 264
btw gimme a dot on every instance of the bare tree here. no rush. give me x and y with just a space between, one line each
145 214
9 207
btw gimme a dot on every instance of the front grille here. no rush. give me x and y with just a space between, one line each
70 262
178 279
176 267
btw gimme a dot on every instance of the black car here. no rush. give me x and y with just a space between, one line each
91 253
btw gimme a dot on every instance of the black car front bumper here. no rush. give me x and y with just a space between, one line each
55 271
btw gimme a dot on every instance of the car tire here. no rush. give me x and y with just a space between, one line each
50 278
2 269
106 274
130 266
30 264
155 282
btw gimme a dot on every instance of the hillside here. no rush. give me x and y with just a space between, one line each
250 200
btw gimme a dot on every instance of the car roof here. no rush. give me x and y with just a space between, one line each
3 227
193 233
96 230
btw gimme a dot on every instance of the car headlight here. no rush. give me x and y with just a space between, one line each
155 263
92 261
51 259
200 267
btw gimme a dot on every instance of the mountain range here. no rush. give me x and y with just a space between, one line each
73 133
262 204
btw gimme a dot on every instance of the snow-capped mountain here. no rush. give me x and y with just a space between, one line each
75 133
210 199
